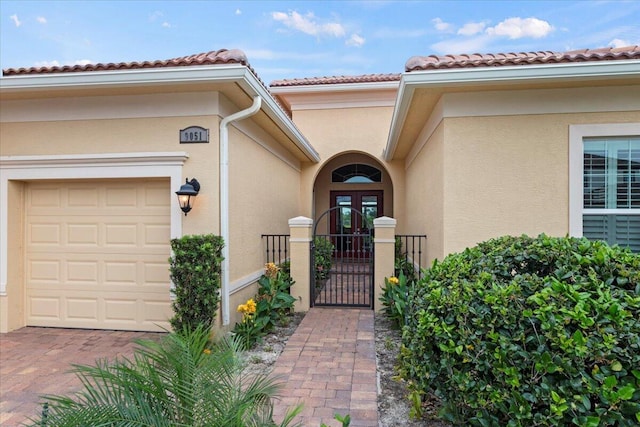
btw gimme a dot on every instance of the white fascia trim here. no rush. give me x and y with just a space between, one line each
92 166
411 81
400 111
124 78
577 133
278 115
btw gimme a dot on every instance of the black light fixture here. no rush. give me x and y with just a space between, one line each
187 190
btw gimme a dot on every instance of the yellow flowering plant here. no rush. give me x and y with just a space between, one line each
272 304
250 329
395 298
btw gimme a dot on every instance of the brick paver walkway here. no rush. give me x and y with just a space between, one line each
329 365
36 361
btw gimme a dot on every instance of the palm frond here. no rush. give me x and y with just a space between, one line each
182 380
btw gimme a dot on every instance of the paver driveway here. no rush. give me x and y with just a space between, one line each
329 365
36 361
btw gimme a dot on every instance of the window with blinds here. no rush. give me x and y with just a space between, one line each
611 190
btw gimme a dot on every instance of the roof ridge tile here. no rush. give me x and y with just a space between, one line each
434 62
220 56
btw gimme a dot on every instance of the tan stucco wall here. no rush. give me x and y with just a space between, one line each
341 131
264 193
508 175
125 136
425 195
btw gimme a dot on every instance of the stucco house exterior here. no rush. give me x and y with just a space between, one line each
460 148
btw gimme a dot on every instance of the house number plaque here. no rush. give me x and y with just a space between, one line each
194 134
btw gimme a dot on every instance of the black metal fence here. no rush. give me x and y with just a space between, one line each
411 255
276 247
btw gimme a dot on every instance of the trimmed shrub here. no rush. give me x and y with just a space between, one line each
529 331
195 269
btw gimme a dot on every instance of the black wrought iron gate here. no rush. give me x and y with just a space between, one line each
342 259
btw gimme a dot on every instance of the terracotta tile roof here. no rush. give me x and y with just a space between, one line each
222 56
366 78
435 62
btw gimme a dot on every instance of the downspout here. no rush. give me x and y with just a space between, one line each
224 198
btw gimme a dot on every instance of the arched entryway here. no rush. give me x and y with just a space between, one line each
350 191
354 180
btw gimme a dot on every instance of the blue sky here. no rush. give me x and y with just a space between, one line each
287 39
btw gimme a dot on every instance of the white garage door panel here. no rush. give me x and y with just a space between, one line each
97 254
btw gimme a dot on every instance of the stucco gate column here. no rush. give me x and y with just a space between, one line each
385 244
300 241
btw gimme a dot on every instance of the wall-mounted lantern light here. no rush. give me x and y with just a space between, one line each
187 192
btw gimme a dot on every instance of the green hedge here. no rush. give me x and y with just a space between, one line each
195 269
529 331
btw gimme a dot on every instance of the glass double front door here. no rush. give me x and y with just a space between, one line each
354 217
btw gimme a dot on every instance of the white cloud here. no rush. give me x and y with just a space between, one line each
41 19
308 24
54 63
620 43
15 20
471 28
166 25
238 12
355 40
156 15
516 28
441 25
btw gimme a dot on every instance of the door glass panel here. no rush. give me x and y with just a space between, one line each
369 205
344 214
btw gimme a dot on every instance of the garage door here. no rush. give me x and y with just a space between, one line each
97 254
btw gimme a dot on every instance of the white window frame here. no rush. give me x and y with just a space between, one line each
577 134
